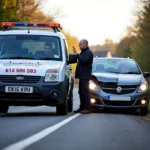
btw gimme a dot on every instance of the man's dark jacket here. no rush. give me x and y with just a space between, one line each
84 65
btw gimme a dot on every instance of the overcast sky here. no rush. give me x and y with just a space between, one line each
94 20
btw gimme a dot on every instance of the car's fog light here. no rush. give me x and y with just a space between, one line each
93 101
143 101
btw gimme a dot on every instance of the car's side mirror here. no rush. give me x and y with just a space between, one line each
72 59
146 74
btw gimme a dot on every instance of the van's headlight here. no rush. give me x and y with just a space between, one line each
51 75
143 87
93 86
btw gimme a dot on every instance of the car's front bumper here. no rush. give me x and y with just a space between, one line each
135 102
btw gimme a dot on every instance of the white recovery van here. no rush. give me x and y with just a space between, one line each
34 67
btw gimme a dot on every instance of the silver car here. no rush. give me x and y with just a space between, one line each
119 83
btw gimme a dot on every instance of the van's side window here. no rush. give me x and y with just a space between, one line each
66 50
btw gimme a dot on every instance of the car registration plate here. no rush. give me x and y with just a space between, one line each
18 89
119 98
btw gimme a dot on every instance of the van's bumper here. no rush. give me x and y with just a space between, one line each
43 94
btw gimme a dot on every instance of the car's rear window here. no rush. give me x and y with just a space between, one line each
30 46
120 66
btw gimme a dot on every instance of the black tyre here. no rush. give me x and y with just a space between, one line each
63 108
132 111
70 102
3 108
144 111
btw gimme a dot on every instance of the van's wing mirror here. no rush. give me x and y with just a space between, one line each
72 59
146 74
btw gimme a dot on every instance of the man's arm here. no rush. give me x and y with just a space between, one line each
83 59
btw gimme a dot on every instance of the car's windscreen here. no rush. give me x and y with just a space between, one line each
30 47
119 66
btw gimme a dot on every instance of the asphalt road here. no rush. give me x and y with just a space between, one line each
38 128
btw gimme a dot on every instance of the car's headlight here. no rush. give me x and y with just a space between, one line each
51 75
93 86
143 87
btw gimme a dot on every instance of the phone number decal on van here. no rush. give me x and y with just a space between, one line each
20 70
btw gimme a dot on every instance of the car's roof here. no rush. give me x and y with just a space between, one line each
32 32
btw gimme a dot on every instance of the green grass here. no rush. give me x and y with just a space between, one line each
149 107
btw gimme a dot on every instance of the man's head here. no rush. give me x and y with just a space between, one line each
47 48
83 44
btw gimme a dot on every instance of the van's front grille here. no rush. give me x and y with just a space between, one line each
21 96
19 79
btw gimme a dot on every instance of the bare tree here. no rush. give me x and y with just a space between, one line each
29 10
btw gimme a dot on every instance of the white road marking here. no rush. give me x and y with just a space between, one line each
38 136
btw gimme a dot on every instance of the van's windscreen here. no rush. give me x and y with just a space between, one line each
30 47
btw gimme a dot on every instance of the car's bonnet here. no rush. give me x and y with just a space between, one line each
120 79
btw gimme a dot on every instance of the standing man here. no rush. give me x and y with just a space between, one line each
83 73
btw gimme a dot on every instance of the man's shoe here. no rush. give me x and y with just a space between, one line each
78 110
85 111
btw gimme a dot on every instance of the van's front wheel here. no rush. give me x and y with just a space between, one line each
63 108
